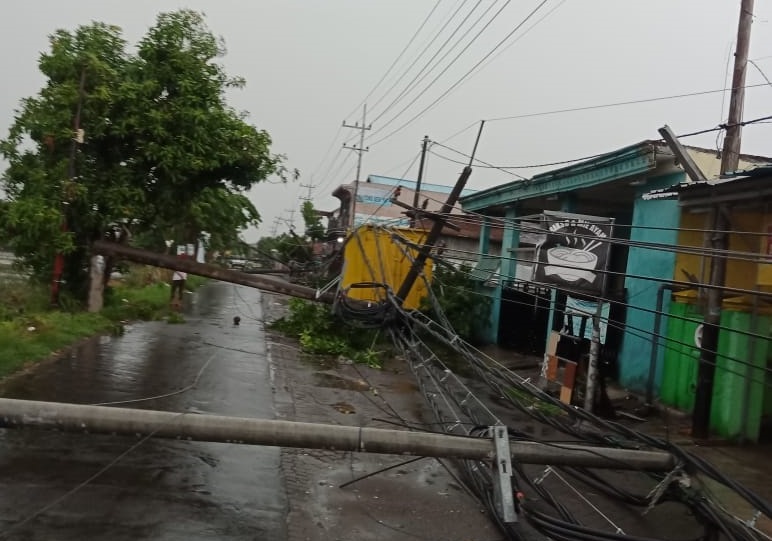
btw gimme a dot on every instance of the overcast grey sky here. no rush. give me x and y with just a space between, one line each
310 64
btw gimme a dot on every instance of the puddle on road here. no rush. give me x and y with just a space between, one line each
322 379
344 407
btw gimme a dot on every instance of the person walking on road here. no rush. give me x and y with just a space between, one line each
178 287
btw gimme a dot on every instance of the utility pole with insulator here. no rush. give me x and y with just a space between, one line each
310 188
730 159
420 175
275 228
360 149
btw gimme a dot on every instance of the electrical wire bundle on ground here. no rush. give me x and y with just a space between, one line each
517 401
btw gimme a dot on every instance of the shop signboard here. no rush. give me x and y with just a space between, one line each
574 253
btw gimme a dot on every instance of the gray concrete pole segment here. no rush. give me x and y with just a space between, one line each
210 271
241 430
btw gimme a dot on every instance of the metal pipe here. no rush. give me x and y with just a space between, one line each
655 338
211 271
246 431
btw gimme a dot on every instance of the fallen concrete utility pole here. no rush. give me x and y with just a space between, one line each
210 271
241 430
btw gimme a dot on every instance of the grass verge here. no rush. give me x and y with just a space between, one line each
31 331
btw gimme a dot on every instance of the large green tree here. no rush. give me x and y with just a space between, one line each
216 216
161 150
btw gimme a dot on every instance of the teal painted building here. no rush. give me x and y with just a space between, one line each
608 186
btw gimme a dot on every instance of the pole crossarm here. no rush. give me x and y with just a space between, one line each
248 431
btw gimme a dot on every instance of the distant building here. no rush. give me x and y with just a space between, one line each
375 205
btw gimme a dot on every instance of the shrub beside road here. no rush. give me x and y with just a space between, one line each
32 330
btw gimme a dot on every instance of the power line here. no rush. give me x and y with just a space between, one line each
491 60
423 73
398 166
501 380
329 149
463 77
621 325
396 60
521 36
760 120
639 332
505 379
401 54
459 132
618 104
419 55
332 173
520 226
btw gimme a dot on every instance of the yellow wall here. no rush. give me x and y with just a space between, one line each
372 256
739 274
765 248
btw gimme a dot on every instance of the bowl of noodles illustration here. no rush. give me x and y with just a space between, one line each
571 264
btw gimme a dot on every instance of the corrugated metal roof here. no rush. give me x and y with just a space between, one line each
737 177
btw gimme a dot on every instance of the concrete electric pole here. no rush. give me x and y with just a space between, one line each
730 159
424 145
310 189
359 150
730 155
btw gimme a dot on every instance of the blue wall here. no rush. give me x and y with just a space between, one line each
635 353
490 331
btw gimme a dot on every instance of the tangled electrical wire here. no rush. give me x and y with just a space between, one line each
458 410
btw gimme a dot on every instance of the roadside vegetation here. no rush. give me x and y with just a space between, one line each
129 142
158 154
30 330
321 332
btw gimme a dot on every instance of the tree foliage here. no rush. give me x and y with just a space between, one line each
467 310
285 247
314 228
163 153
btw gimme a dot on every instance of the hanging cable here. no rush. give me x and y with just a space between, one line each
426 70
459 81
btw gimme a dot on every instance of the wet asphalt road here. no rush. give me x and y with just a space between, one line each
73 487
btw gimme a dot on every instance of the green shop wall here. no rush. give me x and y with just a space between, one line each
664 217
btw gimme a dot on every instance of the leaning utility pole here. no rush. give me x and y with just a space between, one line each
730 159
359 150
420 175
730 155
265 283
436 230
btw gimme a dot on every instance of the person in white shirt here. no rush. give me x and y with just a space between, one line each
178 286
